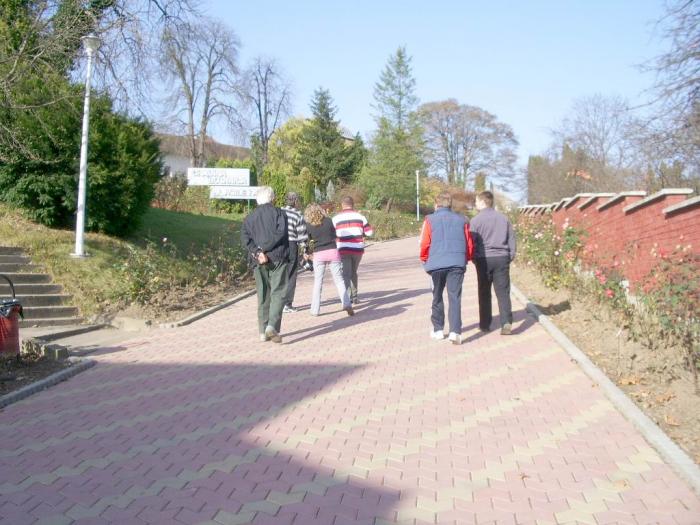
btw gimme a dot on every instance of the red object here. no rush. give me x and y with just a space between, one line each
9 333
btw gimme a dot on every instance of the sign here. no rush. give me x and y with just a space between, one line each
218 177
233 192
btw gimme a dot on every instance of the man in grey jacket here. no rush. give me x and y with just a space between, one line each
494 248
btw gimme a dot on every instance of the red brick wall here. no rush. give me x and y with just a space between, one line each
613 237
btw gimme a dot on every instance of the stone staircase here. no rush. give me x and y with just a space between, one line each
43 302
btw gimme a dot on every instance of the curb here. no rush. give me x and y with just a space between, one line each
676 457
26 391
195 317
70 333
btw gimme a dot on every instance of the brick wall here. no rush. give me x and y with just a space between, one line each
621 229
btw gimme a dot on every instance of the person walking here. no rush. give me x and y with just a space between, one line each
495 249
264 236
296 228
445 248
352 228
322 232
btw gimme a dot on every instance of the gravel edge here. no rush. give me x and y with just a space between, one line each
675 456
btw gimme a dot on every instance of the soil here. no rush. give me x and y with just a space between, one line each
24 370
656 380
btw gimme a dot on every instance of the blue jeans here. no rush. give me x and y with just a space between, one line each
452 279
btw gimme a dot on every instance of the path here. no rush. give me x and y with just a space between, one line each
351 420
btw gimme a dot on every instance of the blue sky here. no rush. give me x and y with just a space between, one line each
526 62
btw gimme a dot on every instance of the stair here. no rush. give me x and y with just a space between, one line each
43 302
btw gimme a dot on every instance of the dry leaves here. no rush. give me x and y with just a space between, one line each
671 421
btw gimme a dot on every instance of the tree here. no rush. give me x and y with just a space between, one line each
266 96
328 156
201 59
41 39
396 152
463 140
124 165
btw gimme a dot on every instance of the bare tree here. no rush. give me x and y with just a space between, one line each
42 40
265 94
201 60
678 70
465 140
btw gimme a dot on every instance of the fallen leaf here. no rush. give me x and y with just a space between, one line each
670 420
629 380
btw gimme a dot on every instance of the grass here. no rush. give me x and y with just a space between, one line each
103 282
189 232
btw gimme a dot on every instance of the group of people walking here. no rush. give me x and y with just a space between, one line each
274 238
448 242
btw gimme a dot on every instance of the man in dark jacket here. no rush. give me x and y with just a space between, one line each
264 237
445 248
494 242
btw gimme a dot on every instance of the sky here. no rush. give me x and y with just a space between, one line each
524 61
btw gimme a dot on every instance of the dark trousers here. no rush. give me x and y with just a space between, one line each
350 264
292 269
493 271
452 279
271 285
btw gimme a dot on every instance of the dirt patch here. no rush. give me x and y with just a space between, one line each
20 372
654 379
177 304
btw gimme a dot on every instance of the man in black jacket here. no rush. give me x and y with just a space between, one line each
264 236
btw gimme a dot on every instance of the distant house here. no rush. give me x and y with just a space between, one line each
176 152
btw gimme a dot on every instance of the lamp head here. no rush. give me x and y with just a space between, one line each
91 42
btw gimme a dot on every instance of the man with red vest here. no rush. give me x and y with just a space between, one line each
445 248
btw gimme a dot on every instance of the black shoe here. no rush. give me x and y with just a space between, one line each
506 329
484 330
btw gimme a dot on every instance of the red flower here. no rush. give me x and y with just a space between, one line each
609 293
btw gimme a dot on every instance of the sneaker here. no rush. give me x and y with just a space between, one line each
349 310
355 301
438 335
272 335
289 309
455 338
484 330
264 338
506 329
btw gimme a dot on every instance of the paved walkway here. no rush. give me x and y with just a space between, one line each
351 420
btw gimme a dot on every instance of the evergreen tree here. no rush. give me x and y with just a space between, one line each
323 150
396 154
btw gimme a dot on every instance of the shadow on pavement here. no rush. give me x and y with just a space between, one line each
186 443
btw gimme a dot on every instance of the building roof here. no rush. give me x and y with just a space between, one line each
177 145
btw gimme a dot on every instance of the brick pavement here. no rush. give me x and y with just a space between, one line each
351 420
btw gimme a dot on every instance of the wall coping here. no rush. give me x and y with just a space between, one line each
592 199
577 197
656 196
619 197
683 204
561 202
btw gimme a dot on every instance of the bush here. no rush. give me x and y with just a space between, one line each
123 166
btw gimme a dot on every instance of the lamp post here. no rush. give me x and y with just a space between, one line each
417 195
91 42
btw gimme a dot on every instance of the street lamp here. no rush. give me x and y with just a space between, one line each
91 42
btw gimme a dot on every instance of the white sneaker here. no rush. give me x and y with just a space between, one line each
438 335
455 338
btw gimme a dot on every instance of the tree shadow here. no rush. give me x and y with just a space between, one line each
187 443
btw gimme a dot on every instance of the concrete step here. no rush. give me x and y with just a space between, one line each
43 300
26 278
49 312
16 259
29 289
11 250
20 267
53 321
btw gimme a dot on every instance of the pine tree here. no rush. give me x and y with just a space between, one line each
323 149
396 154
